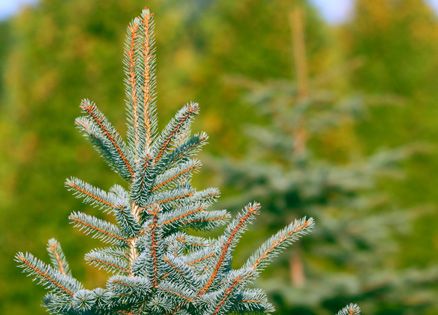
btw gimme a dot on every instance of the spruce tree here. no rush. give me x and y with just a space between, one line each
157 265
287 172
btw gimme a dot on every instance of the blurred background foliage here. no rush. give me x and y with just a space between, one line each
59 51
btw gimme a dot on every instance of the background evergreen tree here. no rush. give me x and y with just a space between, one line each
293 177
247 37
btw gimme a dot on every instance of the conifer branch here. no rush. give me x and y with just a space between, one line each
253 300
108 262
175 174
207 220
149 88
234 229
178 215
351 309
176 290
98 228
46 275
129 289
169 196
175 127
57 257
105 147
190 241
277 242
201 259
236 280
144 178
109 132
91 194
131 85
154 239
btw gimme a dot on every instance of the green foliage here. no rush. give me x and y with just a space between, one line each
158 267
399 54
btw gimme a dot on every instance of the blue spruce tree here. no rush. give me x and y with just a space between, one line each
157 266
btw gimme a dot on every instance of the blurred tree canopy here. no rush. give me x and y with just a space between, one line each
400 59
60 51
